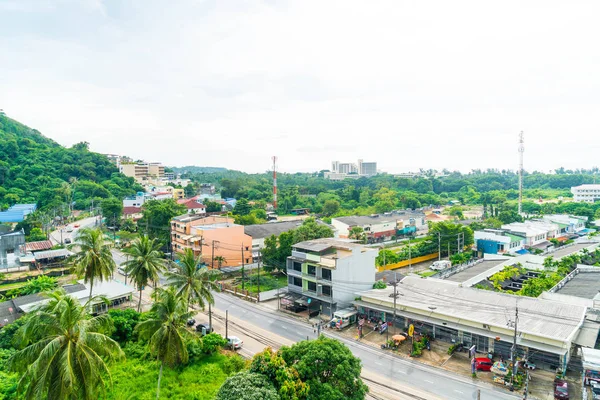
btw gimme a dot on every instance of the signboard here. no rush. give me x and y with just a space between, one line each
411 330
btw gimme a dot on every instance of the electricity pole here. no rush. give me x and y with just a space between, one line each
258 281
213 255
410 268
242 266
395 296
513 353
439 246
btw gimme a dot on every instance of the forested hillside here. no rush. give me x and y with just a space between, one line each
35 169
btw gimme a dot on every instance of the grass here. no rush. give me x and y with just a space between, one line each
427 273
267 281
135 379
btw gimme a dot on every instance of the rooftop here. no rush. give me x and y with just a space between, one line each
585 285
131 210
472 272
260 231
37 246
570 250
539 317
360 220
43 255
323 244
587 186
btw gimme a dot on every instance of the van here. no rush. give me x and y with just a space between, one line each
440 265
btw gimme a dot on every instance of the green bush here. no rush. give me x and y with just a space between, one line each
233 364
247 386
124 322
213 342
136 350
379 285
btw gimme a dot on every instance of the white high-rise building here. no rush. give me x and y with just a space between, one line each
588 193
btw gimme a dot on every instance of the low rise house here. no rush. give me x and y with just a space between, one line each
259 232
17 213
567 224
10 245
326 274
537 233
194 205
380 227
497 241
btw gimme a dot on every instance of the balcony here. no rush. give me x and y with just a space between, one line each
299 254
293 272
327 262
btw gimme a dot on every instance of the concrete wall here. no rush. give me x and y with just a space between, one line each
353 274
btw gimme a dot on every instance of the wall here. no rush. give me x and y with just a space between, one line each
358 268
341 228
232 239
408 262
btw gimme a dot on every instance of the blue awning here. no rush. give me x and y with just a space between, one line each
522 251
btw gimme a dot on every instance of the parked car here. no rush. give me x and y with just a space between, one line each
122 271
561 390
440 265
67 241
191 322
483 364
595 391
234 342
529 365
76 226
69 228
203 329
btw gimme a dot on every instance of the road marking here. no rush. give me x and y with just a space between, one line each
283 327
428 381
458 391
402 372
378 363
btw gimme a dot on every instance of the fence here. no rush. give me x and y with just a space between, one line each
407 262
244 294
455 269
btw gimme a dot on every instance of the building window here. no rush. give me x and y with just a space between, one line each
312 270
326 291
312 287
292 280
326 274
297 266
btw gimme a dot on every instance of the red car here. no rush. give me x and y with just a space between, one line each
483 364
561 390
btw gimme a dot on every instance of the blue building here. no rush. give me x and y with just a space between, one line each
496 241
17 213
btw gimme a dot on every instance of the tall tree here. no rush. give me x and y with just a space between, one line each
165 330
112 208
220 260
157 216
93 261
66 351
193 282
145 262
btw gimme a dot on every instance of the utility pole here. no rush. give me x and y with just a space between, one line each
242 266
439 246
521 151
395 296
410 268
258 281
226 323
513 353
213 255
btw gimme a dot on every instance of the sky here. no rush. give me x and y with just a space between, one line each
409 84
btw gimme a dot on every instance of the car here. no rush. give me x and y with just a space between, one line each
203 328
69 228
483 364
595 390
76 226
191 322
440 265
67 241
529 365
561 390
234 342
122 271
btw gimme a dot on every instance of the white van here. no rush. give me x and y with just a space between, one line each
440 265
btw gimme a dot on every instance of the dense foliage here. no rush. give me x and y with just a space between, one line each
247 386
35 169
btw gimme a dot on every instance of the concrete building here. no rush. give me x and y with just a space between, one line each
380 227
567 224
17 213
497 241
326 274
340 171
142 171
536 233
211 236
136 201
10 245
367 168
588 193
194 205
547 330
259 232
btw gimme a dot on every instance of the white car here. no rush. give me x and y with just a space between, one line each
122 271
234 342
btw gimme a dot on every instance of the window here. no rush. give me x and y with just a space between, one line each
326 274
292 280
326 291
312 270
312 287
297 266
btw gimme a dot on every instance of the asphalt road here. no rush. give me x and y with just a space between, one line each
55 236
433 380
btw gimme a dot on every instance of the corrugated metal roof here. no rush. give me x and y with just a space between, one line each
43 255
37 246
540 317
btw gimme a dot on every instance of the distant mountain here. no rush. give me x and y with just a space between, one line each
198 170
36 169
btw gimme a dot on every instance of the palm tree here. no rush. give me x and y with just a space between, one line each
220 261
94 259
145 262
193 283
67 351
165 332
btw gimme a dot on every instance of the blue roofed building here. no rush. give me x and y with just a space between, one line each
496 241
17 213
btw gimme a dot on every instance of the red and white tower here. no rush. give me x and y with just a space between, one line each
274 182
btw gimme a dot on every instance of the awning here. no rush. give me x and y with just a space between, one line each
562 238
588 334
522 251
186 237
289 298
302 301
28 258
44 255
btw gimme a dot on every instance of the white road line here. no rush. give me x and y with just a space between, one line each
378 363
402 372
458 391
428 381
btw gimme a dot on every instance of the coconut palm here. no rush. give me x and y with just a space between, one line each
144 264
93 261
66 351
165 332
194 283
220 261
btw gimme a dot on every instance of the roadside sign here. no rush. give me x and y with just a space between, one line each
411 330
308 300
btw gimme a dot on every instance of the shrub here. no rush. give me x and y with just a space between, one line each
233 364
247 386
213 342
124 322
379 285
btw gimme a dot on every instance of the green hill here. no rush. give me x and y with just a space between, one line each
36 169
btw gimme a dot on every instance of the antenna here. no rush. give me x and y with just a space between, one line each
521 151
274 158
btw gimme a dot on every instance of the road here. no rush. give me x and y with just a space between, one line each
440 383
55 236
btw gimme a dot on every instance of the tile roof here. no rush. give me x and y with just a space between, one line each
131 210
37 246
191 204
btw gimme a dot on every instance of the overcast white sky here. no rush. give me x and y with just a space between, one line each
409 84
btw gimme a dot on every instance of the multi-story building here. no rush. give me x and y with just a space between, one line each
156 170
568 224
327 273
537 233
497 241
340 171
380 227
210 237
141 171
367 168
588 193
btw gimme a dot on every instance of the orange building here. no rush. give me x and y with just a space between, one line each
211 237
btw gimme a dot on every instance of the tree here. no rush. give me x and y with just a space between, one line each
327 367
42 283
189 190
220 261
144 263
165 330
357 233
93 261
247 386
449 233
194 283
36 235
331 207
129 225
213 206
124 322
242 207
157 216
285 378
65 352
509 216
112 208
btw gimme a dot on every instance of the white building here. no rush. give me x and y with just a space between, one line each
329 272
588 193
496 241
341 171
536 233
566 223
380 227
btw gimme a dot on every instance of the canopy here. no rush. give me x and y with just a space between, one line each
398 338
